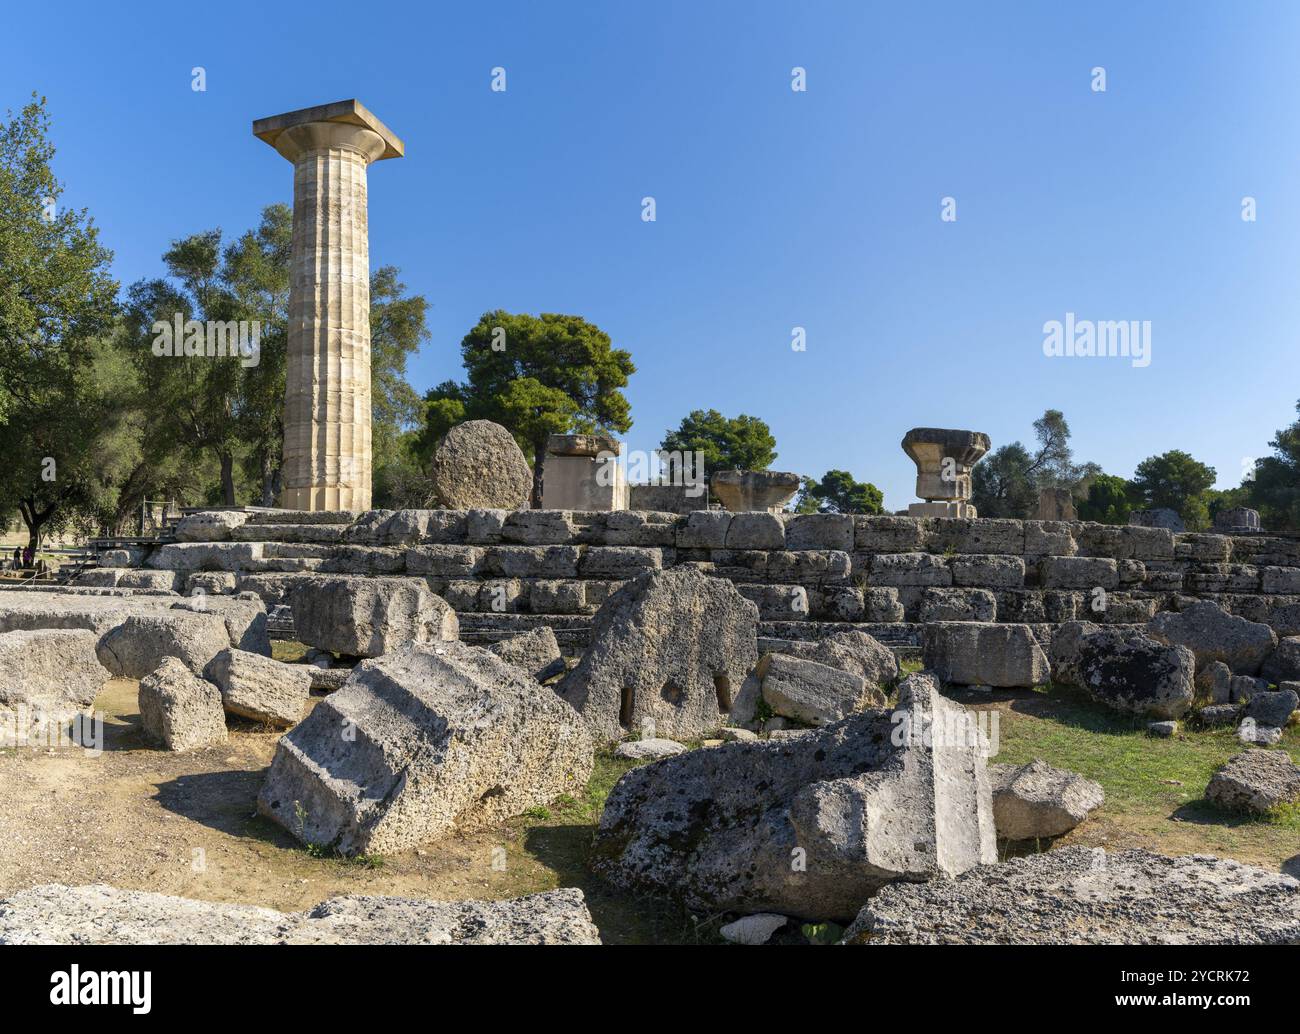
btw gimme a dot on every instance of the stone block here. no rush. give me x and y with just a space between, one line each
1078 572
180 710
909 569
367 617
533 561
820 531
889 534
704 529
988 571
619 561
756 530
971 653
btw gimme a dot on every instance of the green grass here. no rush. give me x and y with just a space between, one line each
289 652
1155 788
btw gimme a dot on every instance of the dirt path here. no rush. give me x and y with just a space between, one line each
186 824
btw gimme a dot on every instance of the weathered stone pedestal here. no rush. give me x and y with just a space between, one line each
749 490
1056 504
327 460
1238 520
943 459
1160 517
583 473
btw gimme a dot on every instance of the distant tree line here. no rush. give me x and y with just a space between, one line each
1008 481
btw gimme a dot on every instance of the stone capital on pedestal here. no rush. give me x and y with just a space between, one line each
943 459
348 124
754 490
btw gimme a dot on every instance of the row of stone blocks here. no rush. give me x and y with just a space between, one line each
810 567
719 529
785 602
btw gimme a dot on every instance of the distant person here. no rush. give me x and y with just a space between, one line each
18 558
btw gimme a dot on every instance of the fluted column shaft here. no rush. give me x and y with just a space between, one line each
327 458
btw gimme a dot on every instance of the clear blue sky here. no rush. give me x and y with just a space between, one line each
775 209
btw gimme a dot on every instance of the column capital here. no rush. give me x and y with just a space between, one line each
349 124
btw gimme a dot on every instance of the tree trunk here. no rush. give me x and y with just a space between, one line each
35 520
269 478
227 478
539 463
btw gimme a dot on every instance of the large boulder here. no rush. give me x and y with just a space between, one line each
1274 709
137 646
1213 634
1037 801
478 465
854 652
979 653
48 677
812 825
1124 668
367 617
420 742
1284 664
670 648
1079 895
1255 781
57 914
812 693
180 710
535 651
257 687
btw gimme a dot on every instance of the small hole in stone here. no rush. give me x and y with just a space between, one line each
671 692
625 708
722 686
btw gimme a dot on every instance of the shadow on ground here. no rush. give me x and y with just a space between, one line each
620 917
224 801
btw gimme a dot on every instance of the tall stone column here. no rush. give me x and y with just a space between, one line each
327 382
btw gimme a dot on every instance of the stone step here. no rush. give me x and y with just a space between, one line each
300 533
300 517
895 634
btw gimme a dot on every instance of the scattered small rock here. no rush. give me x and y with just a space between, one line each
648 750
1255 781
755 929
1038 801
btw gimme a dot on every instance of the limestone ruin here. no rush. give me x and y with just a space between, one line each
776 719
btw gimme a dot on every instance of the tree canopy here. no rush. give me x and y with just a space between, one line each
1176 481
728 443
1007 482
837 492
57 305
1106 501
1273 487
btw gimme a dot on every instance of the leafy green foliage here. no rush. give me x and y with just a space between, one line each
837 492
1274 490
1002 486
57 305
728 443
1007 482
1176 481
1106 502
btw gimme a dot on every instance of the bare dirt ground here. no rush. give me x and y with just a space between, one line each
185 823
